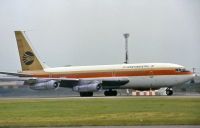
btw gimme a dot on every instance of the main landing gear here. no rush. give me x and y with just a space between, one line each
110 93
86 94
169 91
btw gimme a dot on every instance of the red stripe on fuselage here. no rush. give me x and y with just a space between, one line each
111 74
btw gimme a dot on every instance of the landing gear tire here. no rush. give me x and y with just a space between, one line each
86 94
169 91
110 93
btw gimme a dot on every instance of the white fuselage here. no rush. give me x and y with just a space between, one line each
141 76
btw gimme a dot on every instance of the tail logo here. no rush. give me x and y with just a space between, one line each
28 58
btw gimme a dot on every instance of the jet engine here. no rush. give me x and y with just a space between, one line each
92 87
49 85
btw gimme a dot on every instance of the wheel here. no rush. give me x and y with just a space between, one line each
106 93
110 93
114 93
86 94
169 92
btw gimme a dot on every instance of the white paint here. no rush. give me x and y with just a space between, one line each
152 81
113 67
157 81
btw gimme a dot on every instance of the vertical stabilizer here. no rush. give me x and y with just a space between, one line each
29 60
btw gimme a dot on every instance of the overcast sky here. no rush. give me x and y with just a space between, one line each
89 32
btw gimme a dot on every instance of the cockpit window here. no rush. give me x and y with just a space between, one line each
181 70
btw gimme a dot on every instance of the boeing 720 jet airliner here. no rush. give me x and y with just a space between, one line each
89 79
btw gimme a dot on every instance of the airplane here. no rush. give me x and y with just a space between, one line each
89 79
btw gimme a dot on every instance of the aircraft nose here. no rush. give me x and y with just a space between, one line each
193 75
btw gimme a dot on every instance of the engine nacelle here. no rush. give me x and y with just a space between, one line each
52 84
93 87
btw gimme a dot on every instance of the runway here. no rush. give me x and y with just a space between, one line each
98 97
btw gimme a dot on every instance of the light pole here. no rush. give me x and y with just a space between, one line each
126 35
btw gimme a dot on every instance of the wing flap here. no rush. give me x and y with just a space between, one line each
114 82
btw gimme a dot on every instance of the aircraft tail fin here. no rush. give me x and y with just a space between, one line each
29 60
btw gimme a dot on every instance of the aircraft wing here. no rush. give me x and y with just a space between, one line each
8 79
113 81
15 74
70 82
34 80
105 82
